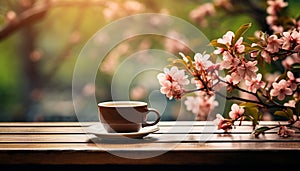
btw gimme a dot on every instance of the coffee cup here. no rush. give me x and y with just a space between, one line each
125 116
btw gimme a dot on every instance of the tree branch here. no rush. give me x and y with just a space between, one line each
38 12
27 17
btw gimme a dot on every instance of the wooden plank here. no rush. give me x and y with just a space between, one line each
180 143
45 124
163 129
195 146
211 130
174 157
39 130
153 138
161 123
207 123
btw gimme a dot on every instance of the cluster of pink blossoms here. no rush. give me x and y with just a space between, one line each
204 76
173 82
243 63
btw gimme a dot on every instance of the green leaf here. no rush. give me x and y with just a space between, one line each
295 67
248 104
281 113
260 130
240 32
251 112
290 112
285 113
253 39
216 44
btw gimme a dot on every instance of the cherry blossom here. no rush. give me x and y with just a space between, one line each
236 111
266 56
236 78
271 19
292 81
273 9
239 47
275 6
231 81
192 104
247 70
255 83
274 44
174 74
201 106
219 51
226 39
290 103
254 90
202 62
285 132
172 82
226 4
289 38
201 12
222 123
229 61
290 60
280 89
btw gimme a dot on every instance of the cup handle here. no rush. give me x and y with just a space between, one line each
157 119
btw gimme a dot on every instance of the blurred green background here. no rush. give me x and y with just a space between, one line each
41 40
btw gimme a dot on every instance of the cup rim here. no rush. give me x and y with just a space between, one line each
134 103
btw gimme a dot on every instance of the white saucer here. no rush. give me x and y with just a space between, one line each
100 132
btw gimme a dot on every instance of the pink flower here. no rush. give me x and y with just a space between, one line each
285 132
226 4
173 42
280 89
289 38
273 44
219 51
236 111
247 70
201 105
255 83
229 61
275 6
236 77
290 60
266 56
290 103
229 80
271 19
222 123
172 82
200 13
226 39
277 29
174 74
239 47
292 81
192 104
202 62
171 89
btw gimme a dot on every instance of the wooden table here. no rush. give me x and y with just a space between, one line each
176 144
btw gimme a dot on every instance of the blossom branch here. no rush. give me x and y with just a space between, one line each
241 61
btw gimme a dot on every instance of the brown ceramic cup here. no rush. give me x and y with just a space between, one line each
125 116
